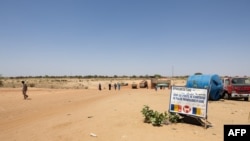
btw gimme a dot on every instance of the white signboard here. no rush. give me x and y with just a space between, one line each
189 101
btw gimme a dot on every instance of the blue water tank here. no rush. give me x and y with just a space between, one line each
211 82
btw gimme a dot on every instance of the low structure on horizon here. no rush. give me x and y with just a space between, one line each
162 83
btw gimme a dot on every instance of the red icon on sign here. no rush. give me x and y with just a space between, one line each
186 109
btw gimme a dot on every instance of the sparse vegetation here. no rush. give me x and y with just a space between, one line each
158 119
32 85
72 82
174 118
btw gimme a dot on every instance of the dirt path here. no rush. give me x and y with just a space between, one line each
72 115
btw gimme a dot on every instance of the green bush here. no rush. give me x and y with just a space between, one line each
148 114
173 117
158 119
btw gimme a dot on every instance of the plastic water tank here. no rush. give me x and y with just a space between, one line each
211 82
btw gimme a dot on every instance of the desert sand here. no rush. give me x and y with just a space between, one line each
107 115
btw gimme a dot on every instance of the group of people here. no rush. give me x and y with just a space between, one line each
25 88
116 86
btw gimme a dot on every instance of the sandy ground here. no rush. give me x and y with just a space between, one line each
73 114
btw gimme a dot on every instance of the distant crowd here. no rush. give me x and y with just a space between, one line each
117 86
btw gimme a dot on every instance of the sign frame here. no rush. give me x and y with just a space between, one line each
192 102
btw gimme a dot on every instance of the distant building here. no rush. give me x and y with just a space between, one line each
161 83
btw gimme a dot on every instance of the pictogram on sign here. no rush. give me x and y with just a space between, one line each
186 109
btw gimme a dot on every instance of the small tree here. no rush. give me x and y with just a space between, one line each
157 76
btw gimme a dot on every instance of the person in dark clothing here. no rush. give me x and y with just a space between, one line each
115 85
25 89
109 86
146 84
100 86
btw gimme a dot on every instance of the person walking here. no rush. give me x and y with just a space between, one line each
100 86
25 89
115 85
118 86
156 88
109 86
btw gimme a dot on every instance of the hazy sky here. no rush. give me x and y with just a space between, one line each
124 37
